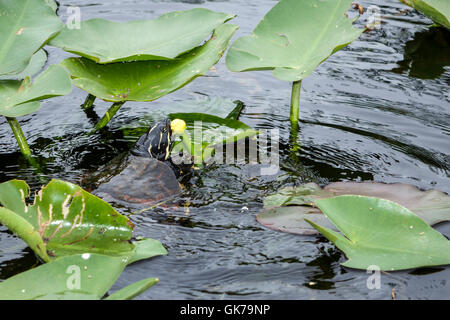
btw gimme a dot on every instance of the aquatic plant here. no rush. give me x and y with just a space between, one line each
205 132
21 97
436 10
381 233
118 67
26 27
86 276
208 124
64 219
287 209
292 39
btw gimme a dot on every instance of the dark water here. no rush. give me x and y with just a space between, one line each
378 110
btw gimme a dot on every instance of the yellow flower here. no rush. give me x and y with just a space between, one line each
178 126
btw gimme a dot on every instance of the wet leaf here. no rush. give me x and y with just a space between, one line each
26 26
294 38
164 38
286 210
37 62
436 10
145 249
19 98
24 230
147 80
379 232
204 132
70 220
85 276
218 106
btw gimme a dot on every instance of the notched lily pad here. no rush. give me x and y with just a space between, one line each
382 233
86 276
36 64
164 38
70 220
26 25
294 38
148 80
204 132
19 98
287 209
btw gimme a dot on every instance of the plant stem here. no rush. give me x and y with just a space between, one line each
20 137
89 102
108 115
295 100
293 138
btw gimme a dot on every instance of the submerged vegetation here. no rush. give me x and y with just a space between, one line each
388 225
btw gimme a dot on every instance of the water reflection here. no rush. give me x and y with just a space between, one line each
427 54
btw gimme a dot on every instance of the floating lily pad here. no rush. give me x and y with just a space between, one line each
26 26
37 62
147 80
294 38
164 38
382 233
287 209
75 277
133 290
436 10
64 219
19 98
204 132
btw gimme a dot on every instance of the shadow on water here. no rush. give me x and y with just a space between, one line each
427 54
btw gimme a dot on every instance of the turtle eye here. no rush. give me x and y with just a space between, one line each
164 130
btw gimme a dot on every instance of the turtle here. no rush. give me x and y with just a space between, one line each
146 175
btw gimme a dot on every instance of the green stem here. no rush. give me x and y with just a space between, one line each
108 115
295 100
293 138
89 102
24 147
20 137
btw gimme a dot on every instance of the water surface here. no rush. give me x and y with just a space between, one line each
379 110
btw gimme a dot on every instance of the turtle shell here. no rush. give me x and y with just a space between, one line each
141 180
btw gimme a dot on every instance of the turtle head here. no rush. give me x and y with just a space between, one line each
156 143
160 140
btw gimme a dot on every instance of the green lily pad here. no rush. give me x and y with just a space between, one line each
133 290
37 62
294 38
19 98
379 232
204 132
287 209
69 220
147 80
83 276
164 38
26 26
436 10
